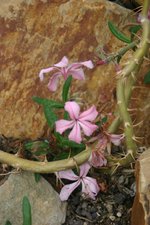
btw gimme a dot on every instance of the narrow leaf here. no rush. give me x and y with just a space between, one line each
51 103
37 177
147 78
50 116
64 142
66 89
8 223
117 33
26 211
133 30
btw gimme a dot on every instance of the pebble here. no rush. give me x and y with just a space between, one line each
109 208
121 179
112 218
119 214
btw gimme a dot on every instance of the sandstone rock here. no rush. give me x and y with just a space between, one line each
38 33
46 207
141 206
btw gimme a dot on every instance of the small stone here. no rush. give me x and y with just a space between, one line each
121 179
112 218
119 214
109 208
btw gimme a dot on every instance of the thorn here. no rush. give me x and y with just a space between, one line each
133 75
76 165
135 99
119 102
115 168
148 41
45 159
127 124
136 139
134 87
130 152
136 61
126 63
135 125
146 58
130 110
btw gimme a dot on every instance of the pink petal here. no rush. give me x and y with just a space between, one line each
88 128
53 82
87 64
77 74
68 189
73 109
89 114
62 125
97 159
68 174
84 169
90 187
102 142
47 70
116 138
62 63
75 134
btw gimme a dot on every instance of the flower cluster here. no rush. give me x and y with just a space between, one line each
79 124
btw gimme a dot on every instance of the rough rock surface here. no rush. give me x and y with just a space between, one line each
47 209
141 206
36 34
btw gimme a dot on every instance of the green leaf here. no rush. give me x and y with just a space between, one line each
26 211
133 30
37 177
117 33
62 155
66 89
64 142
66 155
48 102
32 145
104 119
50 116
8 223
147 78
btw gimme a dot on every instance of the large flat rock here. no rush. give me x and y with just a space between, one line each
46 206
36 34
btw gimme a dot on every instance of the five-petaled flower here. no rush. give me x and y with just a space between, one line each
63 68
79 120
90 187
97 158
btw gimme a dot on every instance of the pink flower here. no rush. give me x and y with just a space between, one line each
63 68
115 138
97 159
79 120
89 185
